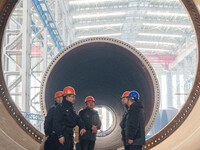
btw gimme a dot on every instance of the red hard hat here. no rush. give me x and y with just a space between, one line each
89 98
125 94
69 90
58 94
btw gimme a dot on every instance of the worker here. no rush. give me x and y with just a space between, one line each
123 122
66 119
92 123
135 129
52 140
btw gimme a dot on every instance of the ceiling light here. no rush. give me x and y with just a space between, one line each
166 25
166 14
152 49
149 42
163 35
99 15
99 26
79 2
100 35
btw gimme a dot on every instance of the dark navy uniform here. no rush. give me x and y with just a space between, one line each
65 120
52 140
135 128
90 117
123 125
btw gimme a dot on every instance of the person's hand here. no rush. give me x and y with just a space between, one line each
82 131
130 141
62 140
46 135
94 129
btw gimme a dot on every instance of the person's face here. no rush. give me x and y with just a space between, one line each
124 101
130 102
90 104
71 98
59 99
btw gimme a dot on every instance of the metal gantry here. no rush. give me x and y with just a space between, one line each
48 22
31 41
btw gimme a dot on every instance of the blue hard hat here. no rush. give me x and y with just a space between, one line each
134 95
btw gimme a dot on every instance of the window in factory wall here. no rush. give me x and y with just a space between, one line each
107 118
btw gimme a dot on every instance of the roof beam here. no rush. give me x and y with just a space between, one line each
182 55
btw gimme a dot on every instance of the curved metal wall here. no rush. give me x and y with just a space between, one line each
163 139
103 68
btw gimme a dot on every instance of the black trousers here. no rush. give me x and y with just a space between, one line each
69 142
78 146
124 141
125 146
51 142
87 145
134 147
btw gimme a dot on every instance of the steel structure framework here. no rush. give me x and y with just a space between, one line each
31 41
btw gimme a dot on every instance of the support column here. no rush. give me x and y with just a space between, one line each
44 52
56 12
56 20
169 90
160 84
64 37
181 83
174 88
5 59
26 52
178 90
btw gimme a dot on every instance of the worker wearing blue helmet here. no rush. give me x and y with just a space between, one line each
135 128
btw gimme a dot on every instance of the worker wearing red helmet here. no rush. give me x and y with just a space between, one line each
92 123
52 140
123 122
66 119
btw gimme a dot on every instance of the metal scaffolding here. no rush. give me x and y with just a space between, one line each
32 41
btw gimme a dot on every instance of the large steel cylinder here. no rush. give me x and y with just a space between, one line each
103 68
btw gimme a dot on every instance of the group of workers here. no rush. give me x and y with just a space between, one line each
61 120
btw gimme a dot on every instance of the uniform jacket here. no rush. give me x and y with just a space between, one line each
48 123
90 118
135 128
123 121
65 118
